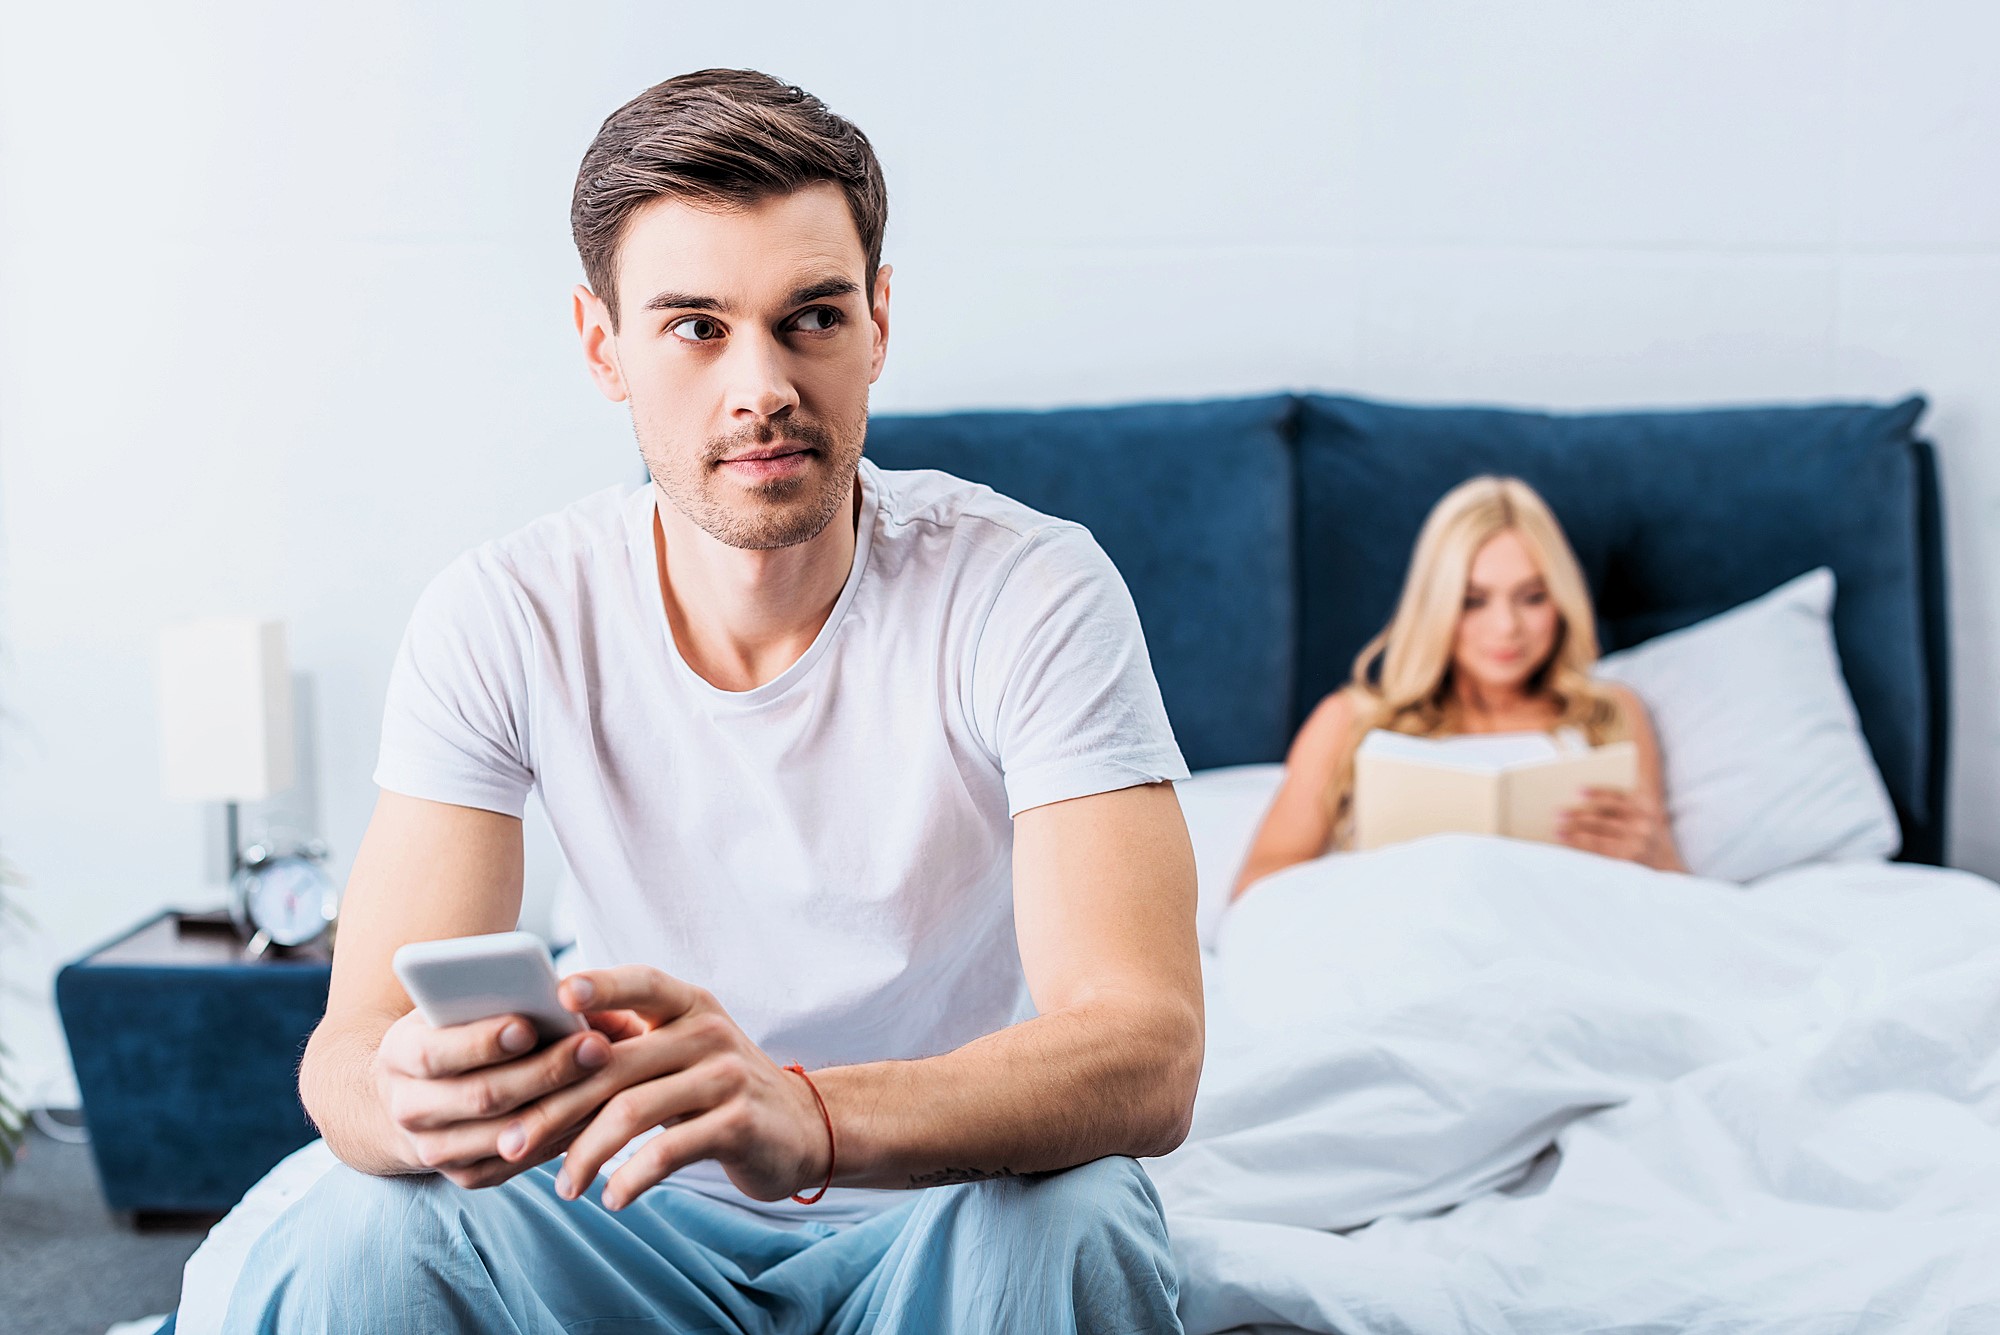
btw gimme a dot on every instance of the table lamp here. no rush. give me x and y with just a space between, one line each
225 715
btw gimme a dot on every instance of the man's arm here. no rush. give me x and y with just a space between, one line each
425 870
1104 892
1104 900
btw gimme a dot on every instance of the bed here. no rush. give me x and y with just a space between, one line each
1467 1085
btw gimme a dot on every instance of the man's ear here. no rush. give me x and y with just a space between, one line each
878 316
600 347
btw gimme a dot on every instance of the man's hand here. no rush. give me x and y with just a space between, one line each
450 1091
681 1063
1617 824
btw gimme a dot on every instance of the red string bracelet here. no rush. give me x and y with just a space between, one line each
813 1199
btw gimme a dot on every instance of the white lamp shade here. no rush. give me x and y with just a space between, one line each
225 710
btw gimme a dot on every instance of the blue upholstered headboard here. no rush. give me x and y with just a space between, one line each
1265 540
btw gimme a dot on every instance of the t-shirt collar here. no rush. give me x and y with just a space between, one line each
639 511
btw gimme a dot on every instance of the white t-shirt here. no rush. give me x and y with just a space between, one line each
830 853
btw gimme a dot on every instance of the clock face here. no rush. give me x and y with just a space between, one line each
291 899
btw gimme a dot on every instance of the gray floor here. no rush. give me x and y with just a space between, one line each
68 1265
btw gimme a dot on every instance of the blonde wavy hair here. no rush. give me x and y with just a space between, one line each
1403 677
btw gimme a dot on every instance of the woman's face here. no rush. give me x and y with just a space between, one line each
1507 628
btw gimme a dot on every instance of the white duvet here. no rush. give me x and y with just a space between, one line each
1479 1085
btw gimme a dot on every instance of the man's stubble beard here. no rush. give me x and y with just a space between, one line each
785 511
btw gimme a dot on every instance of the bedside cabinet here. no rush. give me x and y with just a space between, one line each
187 1058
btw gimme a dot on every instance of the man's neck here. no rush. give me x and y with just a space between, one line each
741 617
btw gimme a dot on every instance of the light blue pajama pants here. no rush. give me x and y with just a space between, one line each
1082 1250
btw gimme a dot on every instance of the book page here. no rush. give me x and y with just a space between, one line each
1532 795
1487 752
1397 799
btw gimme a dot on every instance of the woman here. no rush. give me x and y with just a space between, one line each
1494 633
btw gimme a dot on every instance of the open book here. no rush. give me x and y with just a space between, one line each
1512 783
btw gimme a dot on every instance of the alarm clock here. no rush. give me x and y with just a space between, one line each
282 898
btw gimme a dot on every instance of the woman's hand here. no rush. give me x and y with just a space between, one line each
1619 824
681 1063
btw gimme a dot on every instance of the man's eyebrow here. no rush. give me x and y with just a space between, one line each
684 301
821 290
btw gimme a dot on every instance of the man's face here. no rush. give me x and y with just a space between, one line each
746 346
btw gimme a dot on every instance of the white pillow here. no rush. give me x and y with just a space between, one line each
1223 807
1765 765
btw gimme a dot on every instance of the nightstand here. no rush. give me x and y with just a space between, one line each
187 1057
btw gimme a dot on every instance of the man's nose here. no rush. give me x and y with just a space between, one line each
758 383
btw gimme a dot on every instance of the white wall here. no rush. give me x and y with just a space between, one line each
283 294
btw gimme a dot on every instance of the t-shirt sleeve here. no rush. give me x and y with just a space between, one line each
454 728
1062 689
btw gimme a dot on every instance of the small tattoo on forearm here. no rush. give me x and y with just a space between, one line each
951 1177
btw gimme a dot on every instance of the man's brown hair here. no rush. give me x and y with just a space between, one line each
724 139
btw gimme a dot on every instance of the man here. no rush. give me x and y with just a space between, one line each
860 771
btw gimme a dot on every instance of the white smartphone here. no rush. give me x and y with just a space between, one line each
465 978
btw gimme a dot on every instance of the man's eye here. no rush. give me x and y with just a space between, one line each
696 329
818 320
1474 604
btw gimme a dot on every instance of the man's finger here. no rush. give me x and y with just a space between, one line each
661 1157
631 1114
495 1091
413 1047
648 992
460 1145
465 1145
492 1172
619 1025
634 1062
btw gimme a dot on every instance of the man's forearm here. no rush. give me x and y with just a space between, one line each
1111 1075
337 1087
